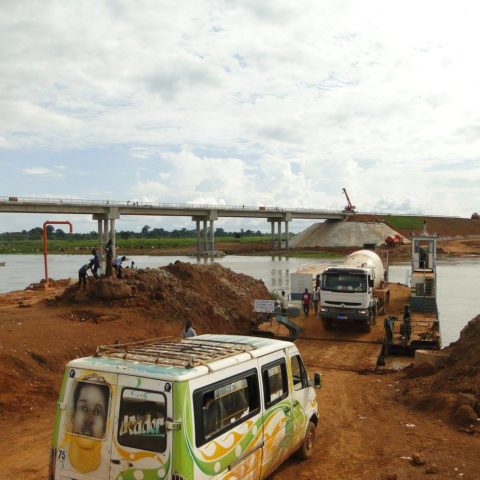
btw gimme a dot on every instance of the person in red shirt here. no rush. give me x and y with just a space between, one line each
306 301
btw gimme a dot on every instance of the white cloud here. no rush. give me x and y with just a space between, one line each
276 103
37 171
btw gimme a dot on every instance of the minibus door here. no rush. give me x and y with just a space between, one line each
142 442
300 396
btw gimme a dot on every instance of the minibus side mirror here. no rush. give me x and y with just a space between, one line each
317 380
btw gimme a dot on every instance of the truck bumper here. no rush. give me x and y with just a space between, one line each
344 316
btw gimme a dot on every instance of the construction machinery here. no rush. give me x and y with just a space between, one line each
349 207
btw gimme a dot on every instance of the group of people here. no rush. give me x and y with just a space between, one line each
112 265
309 299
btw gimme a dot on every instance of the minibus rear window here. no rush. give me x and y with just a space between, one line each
141 423
221 406
88 409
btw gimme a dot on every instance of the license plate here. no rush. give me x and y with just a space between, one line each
341 317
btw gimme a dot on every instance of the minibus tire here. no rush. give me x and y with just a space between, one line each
306 450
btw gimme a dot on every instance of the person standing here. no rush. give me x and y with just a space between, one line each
406 327
188 331
283 302
306 301
96 263
316 299
109 258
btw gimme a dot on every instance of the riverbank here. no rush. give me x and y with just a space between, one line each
453 248
366 429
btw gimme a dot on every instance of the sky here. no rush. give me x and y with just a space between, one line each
247 102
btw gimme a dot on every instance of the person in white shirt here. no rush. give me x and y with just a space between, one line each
117 265
188 330
316 299
283 302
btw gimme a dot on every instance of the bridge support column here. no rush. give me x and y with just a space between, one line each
104 221
106 237
279 234
205 237
112 237
197 227
100 244
211 248
273 233
287 245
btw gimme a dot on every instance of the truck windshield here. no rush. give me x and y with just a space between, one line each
338 282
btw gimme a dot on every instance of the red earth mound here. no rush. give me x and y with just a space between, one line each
453 391
41 332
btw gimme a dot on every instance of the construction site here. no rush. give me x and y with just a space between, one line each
402 420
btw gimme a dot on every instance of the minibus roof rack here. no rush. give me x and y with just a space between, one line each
185 353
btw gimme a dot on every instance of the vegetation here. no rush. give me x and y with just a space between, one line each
401 222
58 241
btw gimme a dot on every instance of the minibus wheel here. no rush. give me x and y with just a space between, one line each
306 450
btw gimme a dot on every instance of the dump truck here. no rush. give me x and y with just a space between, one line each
354 292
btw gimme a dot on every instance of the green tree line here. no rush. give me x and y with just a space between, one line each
146 232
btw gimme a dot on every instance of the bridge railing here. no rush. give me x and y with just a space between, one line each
139 204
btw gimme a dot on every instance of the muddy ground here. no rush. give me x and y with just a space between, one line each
371 422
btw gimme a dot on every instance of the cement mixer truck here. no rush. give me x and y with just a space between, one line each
354 292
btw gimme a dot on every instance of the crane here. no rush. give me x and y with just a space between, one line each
349 207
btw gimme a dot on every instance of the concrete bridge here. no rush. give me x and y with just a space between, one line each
106 212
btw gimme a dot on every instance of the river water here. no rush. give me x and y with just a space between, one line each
458 280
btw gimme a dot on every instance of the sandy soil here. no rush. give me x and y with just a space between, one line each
367 430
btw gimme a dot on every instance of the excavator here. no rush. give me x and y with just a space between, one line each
349 207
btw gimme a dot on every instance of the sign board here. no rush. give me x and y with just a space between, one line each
264 306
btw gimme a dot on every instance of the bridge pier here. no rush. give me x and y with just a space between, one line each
205 245
277 239
106 232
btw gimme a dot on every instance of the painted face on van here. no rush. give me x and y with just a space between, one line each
90 411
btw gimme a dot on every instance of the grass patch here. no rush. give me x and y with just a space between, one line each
412 223
80 246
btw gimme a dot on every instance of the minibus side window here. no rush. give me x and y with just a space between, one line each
275 382
141 423
221 406
299 374
88 409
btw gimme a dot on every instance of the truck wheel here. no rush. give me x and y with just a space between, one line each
327 323
306 450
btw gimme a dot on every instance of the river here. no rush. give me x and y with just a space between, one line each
458 279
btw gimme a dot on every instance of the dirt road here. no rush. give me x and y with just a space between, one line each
364 431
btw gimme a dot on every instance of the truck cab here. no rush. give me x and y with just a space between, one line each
347 296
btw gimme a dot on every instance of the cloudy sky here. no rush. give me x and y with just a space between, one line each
255 102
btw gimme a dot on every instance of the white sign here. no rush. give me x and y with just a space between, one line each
264 306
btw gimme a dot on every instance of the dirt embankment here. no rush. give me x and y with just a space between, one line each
453 391
41 330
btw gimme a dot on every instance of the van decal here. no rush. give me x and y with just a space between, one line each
159 473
